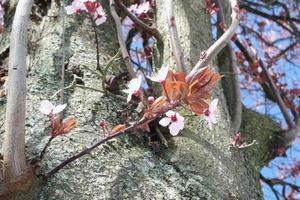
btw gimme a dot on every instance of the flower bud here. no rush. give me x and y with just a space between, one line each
151 100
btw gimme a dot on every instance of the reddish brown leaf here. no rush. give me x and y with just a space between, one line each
198 106
202 85
68 124
175 90
159 104
118 128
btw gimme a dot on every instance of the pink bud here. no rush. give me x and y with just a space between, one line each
151 100
102 123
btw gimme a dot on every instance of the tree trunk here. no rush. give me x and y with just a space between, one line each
198 163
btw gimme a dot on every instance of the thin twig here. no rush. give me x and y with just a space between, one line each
97 44
121 40
87 150
174 38
150 29
213 50
277 95
72 85
102 91
93 70
61 100
161 136
41 156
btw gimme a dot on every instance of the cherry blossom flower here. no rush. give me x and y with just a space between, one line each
77 6
92 7
161 75
210 114
133 88
174 120
140 9
48 108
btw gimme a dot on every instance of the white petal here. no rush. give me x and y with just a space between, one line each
213 118
153 78
135 84
59 108
165 121
128 91
129 97
176 127
162 74
179 117
46 107
170 113
70 10
100 20
213 105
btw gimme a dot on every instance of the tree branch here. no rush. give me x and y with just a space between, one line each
121 40
174 38
213 50
14 140
109 137
237 110
277 95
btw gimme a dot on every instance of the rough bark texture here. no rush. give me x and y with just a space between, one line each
198 163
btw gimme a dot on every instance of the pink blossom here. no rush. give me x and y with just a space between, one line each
93 8
210 115
174 120
140 9
133 88
48 108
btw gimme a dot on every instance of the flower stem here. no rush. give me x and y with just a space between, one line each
97 44
41 156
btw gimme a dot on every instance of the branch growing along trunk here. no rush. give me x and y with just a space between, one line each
121 40
237 109
213 50
15 166
174 38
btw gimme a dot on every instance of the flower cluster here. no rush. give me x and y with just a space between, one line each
93 8
59 126
177 91
211 7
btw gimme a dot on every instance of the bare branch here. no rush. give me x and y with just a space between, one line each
121 40
14 140
110 136
174 38
213 50
277 95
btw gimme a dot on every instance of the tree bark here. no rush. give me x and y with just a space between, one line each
198 163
